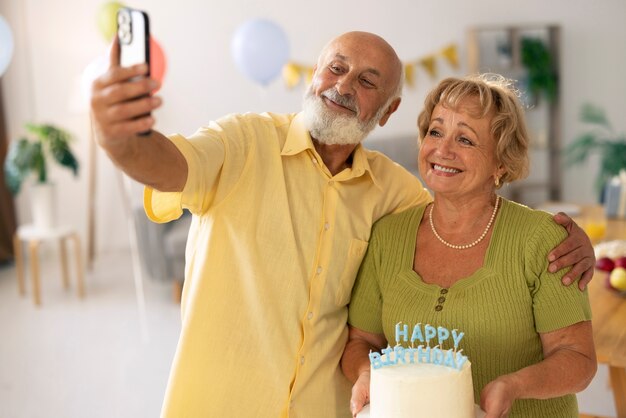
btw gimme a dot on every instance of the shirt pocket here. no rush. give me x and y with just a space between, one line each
353 262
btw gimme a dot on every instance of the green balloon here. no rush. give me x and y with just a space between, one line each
107 19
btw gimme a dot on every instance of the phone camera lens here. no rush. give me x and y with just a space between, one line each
123 17
124 34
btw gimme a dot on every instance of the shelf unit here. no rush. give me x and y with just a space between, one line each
498 49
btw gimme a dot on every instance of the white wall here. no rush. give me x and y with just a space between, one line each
56 40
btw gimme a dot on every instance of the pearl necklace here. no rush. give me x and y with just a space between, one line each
465 246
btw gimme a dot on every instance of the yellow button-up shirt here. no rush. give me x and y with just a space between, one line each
272 254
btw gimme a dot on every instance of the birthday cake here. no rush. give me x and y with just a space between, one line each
420 381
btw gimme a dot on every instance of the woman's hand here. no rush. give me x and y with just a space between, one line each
568 365
355 364
497 397
360 393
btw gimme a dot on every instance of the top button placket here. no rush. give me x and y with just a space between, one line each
440 300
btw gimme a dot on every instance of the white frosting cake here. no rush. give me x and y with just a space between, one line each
414 390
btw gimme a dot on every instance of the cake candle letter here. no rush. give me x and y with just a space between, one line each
417 334
442 334
400 354
457 338
388 360
375 360
449 360
460 360
430 332
437 355
402 332
423 354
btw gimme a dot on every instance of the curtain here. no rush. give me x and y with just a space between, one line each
7 213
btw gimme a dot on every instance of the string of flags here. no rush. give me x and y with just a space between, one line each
294 72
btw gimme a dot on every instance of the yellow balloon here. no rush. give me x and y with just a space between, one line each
107 19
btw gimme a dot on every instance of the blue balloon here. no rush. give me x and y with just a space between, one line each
260 49
6 45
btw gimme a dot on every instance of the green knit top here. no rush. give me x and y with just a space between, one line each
502 307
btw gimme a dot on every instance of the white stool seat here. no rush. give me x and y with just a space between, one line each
33 236
30 232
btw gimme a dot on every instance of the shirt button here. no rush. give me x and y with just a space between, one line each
309 315
326 226
319 269
438 308
314 160
441 299
330 183
444 291
302 360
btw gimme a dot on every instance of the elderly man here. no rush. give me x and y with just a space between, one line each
283 206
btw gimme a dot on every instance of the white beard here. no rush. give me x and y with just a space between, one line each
331 128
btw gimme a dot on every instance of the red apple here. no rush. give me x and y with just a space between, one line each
620 262
605 264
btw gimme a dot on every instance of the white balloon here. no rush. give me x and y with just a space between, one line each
95 69
6 45
260 49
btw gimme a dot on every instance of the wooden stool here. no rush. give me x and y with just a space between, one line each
33 236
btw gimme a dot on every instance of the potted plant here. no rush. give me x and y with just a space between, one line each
537 60
601 139
31 155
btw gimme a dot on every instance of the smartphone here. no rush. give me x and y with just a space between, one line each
133 33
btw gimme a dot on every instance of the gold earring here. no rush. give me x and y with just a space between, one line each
497 181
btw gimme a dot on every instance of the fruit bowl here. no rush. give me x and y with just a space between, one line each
611 259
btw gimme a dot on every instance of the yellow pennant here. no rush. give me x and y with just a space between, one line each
451 55
430 65
409 75
291 74
309 75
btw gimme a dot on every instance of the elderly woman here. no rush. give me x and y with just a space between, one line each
475 261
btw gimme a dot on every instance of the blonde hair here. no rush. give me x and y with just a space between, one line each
496 95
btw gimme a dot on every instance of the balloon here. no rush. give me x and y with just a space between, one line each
107 19
158 64
260 49
93 70
6 45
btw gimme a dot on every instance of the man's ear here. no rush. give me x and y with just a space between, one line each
392 108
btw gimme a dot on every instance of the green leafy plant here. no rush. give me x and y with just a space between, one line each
601 139
537 59
30 154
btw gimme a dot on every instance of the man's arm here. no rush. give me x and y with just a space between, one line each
576 251
120 105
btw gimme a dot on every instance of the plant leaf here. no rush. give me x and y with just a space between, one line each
14 172
595 115
579 149
39 162
60 149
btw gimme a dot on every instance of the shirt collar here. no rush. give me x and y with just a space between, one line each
299 140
